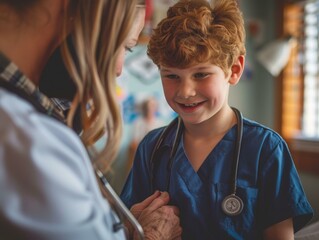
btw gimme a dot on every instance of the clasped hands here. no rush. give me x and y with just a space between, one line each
159 220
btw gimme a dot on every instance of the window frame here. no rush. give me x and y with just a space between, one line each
289 95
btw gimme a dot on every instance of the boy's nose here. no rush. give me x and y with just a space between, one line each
186 90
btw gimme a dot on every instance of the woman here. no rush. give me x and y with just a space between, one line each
47 183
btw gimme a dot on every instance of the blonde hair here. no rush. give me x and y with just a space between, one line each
99 30
195 31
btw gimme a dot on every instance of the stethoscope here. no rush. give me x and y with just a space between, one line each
232 204
119 207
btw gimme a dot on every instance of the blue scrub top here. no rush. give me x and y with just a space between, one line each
267 183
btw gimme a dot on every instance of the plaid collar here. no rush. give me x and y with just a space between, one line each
10 73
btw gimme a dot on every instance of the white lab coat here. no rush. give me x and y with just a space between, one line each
48 189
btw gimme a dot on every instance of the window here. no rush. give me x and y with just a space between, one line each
301 76
292 79
310 123
299 95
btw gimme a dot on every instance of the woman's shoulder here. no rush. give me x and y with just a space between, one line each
33 133
46 157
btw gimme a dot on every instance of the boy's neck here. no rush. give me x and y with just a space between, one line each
217 125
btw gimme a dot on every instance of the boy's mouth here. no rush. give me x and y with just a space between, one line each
191 104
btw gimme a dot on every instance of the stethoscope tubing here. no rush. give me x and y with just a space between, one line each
154 155
120 205
232 205
237 148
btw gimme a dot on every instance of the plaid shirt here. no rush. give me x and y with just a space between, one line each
10 73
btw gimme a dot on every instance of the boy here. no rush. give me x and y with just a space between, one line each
231 178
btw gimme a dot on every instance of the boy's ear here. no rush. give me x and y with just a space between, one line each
237 70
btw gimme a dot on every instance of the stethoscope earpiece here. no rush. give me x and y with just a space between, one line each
232 205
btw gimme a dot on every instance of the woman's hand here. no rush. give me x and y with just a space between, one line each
159 221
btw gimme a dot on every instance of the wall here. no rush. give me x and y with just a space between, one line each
140 79
254 95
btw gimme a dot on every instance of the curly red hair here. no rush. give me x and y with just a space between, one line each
194 32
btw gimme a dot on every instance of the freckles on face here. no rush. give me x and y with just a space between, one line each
169 92
202 80
197 92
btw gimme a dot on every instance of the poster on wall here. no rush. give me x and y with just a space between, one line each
141 66
140 81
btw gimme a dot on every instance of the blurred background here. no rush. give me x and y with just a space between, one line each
281 93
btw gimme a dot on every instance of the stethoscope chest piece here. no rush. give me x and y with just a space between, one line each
232 205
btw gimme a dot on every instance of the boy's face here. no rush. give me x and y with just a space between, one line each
196 93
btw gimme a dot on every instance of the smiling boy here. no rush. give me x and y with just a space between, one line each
200 52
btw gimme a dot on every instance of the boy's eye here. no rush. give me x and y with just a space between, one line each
171 76
200 75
